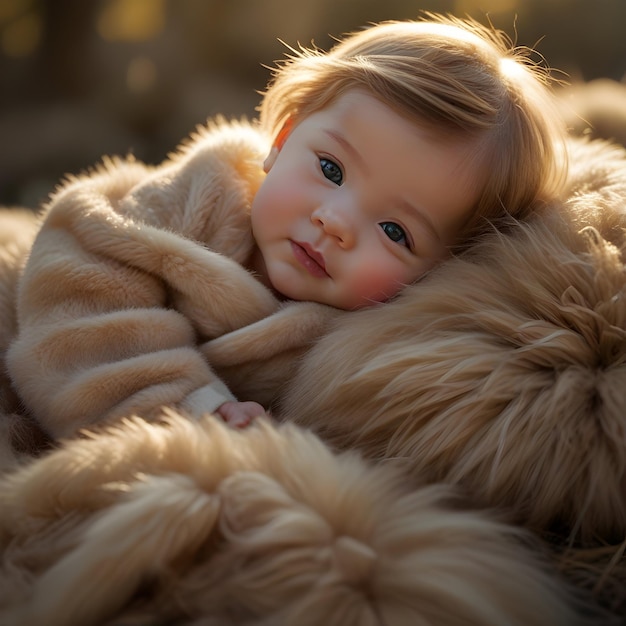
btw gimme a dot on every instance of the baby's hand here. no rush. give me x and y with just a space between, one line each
240 414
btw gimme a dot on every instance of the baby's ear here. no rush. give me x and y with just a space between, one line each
278 144
271 159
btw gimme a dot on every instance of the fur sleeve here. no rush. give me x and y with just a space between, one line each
111 306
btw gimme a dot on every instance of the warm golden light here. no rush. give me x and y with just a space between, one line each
463 7
131 20
9 9
22 35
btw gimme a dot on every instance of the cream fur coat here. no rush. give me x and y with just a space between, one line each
456 456
133 270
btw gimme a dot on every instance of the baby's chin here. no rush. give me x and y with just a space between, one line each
357 304
286 290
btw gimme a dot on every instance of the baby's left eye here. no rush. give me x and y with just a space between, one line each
332 171
395 233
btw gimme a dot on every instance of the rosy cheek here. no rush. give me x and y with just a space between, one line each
374 283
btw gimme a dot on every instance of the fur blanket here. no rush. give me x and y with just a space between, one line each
468 464
191 522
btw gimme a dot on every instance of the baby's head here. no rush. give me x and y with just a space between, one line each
430 131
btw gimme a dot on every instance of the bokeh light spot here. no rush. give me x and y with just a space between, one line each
131 20
21 36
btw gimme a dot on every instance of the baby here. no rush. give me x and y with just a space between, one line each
385 155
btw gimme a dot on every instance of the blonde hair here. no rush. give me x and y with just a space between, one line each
453 76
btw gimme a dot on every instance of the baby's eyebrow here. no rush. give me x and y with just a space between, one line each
421 217
358 158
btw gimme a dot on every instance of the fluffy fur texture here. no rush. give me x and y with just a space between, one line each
17 229
203 524
503 371
132 269
596 108
17 434
502 374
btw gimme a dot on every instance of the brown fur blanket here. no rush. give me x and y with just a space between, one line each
500 377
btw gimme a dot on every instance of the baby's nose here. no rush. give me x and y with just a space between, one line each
336 225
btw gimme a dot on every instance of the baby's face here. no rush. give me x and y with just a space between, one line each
359 202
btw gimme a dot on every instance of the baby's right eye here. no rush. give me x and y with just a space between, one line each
331 170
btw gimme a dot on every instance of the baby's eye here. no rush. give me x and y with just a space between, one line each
331 171
395 233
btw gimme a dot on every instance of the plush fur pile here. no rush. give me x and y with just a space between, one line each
501 377
503 371
195 523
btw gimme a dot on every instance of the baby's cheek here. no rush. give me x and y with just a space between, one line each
377 282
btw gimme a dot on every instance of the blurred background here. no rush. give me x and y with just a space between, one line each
83 78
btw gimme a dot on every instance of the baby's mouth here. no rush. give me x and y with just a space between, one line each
310 259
